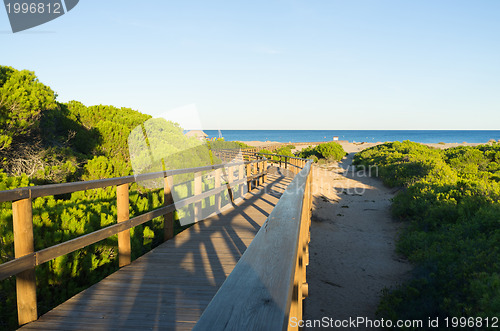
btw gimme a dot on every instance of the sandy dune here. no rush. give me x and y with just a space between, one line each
352 249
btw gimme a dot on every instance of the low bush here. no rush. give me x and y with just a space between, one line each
330 151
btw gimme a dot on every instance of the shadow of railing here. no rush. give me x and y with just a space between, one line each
192 262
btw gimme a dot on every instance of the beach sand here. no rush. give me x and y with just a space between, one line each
352 248
261 143
355 147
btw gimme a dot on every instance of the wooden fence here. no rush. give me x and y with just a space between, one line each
278 254
26 259
266 288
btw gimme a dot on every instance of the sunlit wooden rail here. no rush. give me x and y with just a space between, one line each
289 221
268 284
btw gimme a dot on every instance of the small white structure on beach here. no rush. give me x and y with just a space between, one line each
335 138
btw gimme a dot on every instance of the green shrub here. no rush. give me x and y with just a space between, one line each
265 151
308 152
452 206
331 151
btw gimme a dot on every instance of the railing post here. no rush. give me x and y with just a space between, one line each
255 171
122 204
261 170
265 171
230 180
249 176
197 190
217 185
168 219
22 215
311 183
241 175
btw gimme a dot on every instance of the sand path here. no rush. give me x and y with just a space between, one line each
352 248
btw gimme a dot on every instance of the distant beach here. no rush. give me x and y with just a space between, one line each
355 136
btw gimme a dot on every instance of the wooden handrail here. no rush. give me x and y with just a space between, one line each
33 259
27 259
63 188
267 285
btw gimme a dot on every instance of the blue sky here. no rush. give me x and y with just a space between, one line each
372 64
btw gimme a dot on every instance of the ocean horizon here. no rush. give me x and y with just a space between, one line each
421 136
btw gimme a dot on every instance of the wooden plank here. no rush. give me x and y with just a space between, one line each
198 189
255 172
249 176
22 215
168 218
241 178
218 198
230 182
265 171
15 194
160 323
122 203
18 265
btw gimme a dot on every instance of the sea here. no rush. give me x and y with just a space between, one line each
422 136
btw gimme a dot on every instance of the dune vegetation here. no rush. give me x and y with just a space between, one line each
43 141
330 151
450 201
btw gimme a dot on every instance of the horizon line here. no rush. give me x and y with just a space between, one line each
354 129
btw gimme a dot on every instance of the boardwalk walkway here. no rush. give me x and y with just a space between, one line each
169 287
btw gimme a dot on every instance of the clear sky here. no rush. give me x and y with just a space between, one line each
276 64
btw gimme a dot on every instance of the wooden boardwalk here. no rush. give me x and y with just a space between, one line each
169 287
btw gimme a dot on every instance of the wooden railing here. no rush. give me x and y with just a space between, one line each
26 259
266 288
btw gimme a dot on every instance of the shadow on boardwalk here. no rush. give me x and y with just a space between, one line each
169 287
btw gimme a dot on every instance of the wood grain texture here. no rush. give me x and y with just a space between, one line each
53 189
168 218
122 203
47 254
267 285
169 287
22 215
